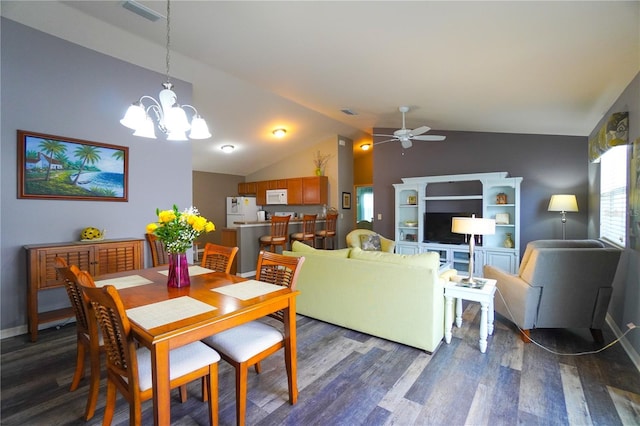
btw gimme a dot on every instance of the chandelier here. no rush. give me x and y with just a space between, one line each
171 116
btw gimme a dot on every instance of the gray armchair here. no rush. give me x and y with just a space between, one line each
560 284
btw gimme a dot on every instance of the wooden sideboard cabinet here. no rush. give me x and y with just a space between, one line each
96 257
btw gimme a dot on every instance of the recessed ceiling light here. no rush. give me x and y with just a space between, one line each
365 146
279 132
227 148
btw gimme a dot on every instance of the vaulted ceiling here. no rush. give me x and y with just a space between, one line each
516 67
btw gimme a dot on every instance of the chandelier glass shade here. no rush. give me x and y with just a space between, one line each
171 117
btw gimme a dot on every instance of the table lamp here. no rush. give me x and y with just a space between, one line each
472 226
563 203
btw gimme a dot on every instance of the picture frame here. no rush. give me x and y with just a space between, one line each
346 200
63 168
502 218
412 200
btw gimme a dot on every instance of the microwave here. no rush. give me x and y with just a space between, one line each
276 196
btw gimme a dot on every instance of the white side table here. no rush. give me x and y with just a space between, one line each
455 290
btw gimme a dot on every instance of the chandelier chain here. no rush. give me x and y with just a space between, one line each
168 37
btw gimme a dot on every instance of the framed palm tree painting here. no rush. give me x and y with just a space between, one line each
55 167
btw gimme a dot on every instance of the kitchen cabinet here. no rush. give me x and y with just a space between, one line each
315 190
247 188
261 192
294 191
278 184
96 257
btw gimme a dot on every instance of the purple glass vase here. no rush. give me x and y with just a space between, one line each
178 270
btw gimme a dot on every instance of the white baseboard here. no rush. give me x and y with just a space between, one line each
22 329
249 274
628 348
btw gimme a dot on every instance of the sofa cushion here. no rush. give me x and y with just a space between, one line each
299 247
370 242
430 259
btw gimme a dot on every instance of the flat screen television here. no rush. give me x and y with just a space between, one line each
437 228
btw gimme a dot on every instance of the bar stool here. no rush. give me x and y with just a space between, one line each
279 234
308 231
329 232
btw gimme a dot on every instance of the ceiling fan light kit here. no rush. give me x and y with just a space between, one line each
406 136
171 117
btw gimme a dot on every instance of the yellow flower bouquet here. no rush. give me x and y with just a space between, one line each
178 229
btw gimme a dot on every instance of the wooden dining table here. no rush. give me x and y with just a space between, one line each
195 312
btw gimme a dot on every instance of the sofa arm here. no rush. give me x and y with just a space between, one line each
515 300
387 245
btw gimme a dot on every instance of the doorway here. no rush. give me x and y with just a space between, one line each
364 206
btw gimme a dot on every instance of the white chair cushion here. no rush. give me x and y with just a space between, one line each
182 360
244 341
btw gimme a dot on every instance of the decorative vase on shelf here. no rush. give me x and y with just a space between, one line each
319 171
178 270
508 242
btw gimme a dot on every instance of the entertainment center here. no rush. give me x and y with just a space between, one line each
425 205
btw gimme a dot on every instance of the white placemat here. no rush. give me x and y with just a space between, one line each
248 289
193 271
124 282
165 312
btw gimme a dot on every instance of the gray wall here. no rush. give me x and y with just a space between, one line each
55 87
548 165
210 192
625 302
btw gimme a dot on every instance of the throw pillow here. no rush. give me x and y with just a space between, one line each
370 242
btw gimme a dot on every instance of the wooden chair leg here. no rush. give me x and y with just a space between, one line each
205 391
257 367
183 394
79 373
94 385
526 336
111 403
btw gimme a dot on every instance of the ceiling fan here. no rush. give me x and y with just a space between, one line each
405 136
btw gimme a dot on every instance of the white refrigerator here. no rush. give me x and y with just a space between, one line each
241 209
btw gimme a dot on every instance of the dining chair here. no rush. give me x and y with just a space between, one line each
329 232
129 366
218 258
88 339
308 230
159 255
279 234
248 344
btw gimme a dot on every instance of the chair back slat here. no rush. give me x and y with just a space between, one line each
309 225
278 269
114 324
159 255
280 226
332 219
69 275
218 258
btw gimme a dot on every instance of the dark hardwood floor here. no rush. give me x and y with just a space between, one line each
349 378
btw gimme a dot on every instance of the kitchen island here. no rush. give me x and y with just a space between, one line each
247 236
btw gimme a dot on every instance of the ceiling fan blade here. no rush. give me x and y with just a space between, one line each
389 136
406 143
420 130
429 138
388 140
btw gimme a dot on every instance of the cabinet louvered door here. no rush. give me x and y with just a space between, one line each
117 257
82 256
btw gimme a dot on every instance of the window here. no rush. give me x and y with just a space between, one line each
613 195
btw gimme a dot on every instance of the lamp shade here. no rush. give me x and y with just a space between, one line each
473 226
563 203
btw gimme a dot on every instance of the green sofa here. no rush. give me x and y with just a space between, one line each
392 296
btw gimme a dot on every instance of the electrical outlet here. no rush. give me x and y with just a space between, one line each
379 216
631 326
